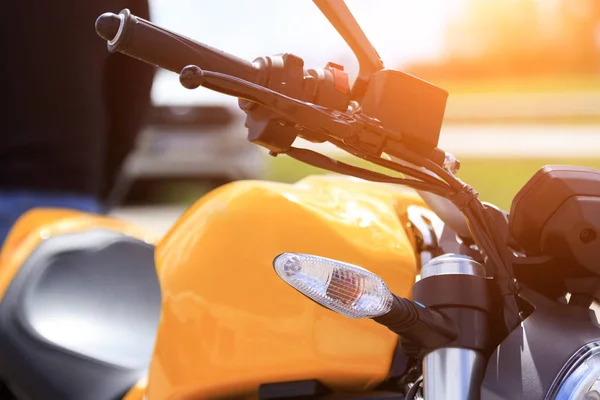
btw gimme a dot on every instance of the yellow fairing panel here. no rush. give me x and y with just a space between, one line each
229 323
138 391
39 224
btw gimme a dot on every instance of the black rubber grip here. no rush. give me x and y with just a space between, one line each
145 41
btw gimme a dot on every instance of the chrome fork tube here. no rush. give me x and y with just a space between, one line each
454 372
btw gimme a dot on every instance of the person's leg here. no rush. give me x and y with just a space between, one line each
13 204
54 119
58 135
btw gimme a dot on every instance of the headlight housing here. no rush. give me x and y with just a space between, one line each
580 377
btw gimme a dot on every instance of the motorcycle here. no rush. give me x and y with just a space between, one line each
405 287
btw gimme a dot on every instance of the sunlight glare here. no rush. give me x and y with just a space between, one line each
401 30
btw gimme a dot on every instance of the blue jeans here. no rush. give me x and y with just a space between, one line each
13 204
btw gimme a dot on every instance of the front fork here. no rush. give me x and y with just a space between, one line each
453 373
455 285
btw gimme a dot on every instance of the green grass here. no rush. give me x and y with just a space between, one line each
496 180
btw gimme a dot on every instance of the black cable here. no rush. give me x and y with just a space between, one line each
403 169
445 175
473 210
413 172
502 273
321 161
487 239
414 389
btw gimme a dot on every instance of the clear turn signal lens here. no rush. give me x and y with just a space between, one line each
344 288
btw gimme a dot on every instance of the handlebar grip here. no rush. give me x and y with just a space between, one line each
152 44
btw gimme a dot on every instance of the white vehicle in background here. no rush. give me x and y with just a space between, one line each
190 143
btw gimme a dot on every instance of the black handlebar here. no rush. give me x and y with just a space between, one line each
152 44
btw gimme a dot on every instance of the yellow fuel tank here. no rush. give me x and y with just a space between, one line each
229 323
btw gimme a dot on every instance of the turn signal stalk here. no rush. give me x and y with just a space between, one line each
422 326
357 293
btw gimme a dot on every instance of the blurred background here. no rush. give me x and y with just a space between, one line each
523 77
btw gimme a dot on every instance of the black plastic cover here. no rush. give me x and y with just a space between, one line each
557 213
466 300
422 326
314 389
406 104
528 361
292 390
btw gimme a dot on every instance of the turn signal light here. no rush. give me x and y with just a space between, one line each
341 287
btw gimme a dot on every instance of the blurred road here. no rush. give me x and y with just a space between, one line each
504 106
530 141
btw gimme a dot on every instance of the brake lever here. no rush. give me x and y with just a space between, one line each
323 122
357 134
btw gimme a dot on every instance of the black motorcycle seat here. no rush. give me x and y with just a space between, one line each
79 319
